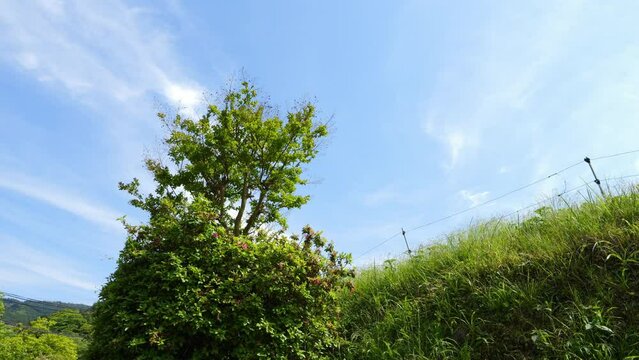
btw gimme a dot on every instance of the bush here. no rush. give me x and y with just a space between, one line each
37 342
186 289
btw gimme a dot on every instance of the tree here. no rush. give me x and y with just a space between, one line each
203 278
35 342
70 322
242 157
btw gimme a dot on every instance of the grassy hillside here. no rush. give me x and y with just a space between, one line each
26 311
563 283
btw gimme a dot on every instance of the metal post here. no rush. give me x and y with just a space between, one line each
406 241
587 160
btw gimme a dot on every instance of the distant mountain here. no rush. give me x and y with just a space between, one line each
16 311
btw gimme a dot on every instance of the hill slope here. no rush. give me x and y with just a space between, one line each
25 311
564 283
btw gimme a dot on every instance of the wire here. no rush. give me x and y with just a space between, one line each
378 245
620 177
471 208
40 306
507 194
544 201
33 303
615 155
496 198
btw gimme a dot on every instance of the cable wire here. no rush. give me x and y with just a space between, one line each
545 201
496 198
378 245
507 194
615 155
33 303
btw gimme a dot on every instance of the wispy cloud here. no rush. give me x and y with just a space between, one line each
61 199
95 50
21 262
467 108
474 198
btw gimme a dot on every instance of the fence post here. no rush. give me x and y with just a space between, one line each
406 241
587 160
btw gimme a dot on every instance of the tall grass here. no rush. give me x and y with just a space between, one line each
560 284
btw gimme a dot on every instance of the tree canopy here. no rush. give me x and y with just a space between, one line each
241 156
203 278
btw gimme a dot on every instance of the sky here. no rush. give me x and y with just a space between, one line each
436 107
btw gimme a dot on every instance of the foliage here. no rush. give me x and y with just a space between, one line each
559 285
70 322
188 284
186 289
36 342
23 312
242 157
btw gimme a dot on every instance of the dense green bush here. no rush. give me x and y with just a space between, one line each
563 284
35 342
70 322
203 279
185 289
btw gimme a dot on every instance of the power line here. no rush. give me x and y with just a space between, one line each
495 199
621 177
378 245
545 201
33 303
615 155
565 192
40 306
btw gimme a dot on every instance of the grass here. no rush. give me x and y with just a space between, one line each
560 284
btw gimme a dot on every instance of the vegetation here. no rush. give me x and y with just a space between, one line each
241 157
560 285
207 277
200 280
23 312
44 339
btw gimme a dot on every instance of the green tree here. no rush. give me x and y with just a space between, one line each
35 342
203 279
242 157
70 322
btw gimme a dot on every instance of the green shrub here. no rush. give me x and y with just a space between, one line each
185 289
36 342
203 279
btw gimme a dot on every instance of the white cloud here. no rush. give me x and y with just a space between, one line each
456 140
185 97
22 262
95 49
516 59
60 199
28 60
474 198
456 143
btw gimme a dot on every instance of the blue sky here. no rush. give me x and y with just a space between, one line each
436 106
